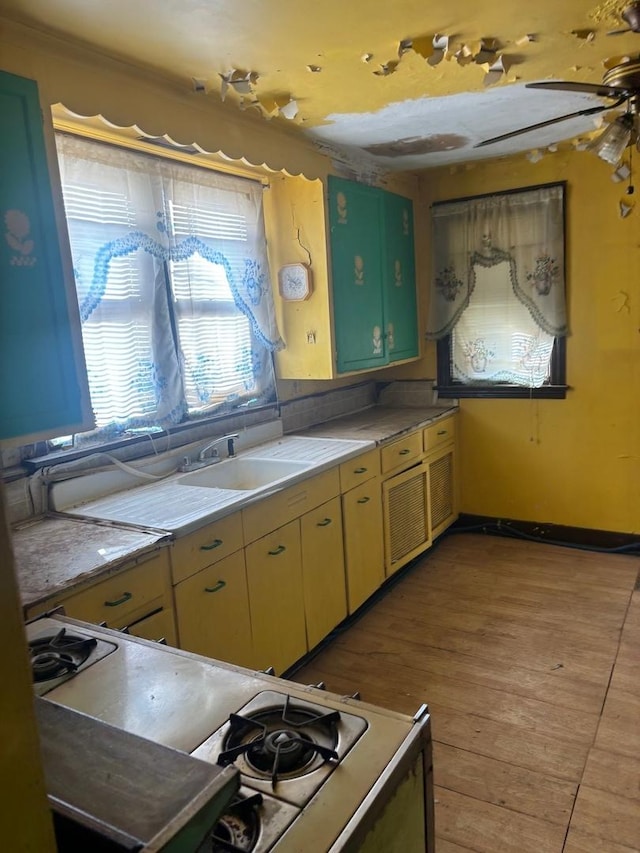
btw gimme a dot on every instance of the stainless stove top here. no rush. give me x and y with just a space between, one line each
58 653
188 702
283 745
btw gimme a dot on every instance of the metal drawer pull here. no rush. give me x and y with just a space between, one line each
442 432
126 596
324 523
277 551
215 544
360 470
215 588
405 451
363 500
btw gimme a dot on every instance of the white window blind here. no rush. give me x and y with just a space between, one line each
173 285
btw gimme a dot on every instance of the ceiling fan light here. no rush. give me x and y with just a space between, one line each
611 144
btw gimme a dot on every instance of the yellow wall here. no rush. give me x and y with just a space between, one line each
570 462
574 461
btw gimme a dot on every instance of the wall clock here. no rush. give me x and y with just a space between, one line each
294 281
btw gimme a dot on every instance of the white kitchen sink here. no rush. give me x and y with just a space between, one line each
243 474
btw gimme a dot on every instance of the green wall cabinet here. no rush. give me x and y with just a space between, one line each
373 276
42 376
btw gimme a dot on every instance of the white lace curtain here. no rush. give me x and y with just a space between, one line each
172 257
524 230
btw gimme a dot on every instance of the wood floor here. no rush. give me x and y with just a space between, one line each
529 658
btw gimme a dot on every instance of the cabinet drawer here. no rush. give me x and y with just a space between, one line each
156 627
402 452
206 547
439 433
359 470
290 503
124 596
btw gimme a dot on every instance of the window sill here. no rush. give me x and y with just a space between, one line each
501 392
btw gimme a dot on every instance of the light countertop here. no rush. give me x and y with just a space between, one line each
380 423
54 555
60 553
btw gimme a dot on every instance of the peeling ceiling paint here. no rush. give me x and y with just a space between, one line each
402 85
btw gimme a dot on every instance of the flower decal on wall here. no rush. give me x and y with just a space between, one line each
17 236
478 354
448 284
545 275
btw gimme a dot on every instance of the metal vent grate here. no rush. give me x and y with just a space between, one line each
441 490
407 518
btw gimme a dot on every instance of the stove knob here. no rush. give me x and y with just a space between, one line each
268 671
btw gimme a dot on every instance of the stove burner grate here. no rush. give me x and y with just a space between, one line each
55 655
238 829
283 741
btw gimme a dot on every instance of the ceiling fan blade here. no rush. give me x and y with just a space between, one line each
589 88
589 112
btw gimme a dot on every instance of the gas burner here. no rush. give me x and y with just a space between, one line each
282 741
55 655
238 829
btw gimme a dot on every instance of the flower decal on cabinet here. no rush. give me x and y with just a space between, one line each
341 207
391 341
397 273
377 340
17 236
358 270
405 222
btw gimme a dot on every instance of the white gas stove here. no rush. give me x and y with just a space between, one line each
319 772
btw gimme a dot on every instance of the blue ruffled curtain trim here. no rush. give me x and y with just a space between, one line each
254 279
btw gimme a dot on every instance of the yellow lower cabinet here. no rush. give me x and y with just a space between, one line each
363 542
325 594
442 488
276 598
212 609
124 597
158 627
406 516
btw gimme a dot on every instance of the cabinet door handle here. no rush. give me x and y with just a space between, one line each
442 432
220 585
126 596
363 500
215 544
360 470
324 523
277 551
405 451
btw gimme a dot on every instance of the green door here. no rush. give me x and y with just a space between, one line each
38 380
356 223
399 279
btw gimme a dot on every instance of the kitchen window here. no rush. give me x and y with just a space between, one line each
497 309
173 284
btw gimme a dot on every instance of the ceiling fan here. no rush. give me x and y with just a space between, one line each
620 84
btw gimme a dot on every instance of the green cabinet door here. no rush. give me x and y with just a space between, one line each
38 372
399 279
356 223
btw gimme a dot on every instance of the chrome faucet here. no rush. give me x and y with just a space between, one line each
205 458
202 456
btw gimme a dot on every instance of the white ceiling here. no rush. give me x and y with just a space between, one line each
430 112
